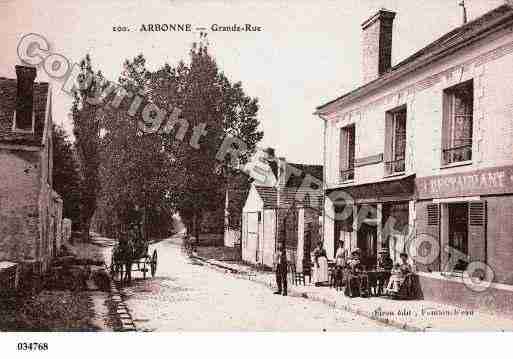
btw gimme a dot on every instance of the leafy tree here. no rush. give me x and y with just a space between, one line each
208 98
66 175
175 169
134 166
86 114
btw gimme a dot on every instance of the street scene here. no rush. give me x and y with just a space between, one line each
207 171
187 295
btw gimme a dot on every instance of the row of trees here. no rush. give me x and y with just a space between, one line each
126 172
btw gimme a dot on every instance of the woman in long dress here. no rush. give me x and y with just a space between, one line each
398 285
320 273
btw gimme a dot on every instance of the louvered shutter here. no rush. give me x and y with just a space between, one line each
446 123
427 232
433 214
477 230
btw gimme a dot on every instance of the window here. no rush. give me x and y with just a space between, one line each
395 141
347 153
457 124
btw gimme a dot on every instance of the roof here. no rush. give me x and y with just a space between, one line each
8 89
313 170
288 196
444 46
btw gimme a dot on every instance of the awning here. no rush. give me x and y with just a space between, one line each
402 188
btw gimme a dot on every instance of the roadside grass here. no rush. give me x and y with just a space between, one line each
49 310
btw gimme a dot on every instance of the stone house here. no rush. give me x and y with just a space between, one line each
420 158
287 212
30 210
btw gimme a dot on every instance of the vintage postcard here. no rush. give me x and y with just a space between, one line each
248 166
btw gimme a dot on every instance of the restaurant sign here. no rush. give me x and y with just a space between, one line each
496 180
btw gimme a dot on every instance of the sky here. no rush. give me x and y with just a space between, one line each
307 53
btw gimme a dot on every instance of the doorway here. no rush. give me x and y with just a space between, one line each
458 231
367 240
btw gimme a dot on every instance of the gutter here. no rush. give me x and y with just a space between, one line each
387 79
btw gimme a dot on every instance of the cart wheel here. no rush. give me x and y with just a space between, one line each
145 269
154 263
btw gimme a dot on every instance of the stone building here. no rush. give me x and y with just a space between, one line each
287 212
420 158
30 211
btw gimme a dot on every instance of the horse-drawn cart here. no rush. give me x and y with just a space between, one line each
133 256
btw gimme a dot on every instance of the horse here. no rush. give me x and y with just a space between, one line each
122 257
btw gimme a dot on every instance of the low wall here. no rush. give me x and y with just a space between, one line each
231 237
498 298
219 253
210 239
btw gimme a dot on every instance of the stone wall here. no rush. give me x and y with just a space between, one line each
19 211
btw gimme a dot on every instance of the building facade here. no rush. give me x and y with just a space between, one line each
420 158
30 210
287 212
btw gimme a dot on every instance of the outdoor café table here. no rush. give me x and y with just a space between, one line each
377 279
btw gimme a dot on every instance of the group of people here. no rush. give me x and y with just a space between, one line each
395 280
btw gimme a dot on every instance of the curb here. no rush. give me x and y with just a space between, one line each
298 294
122 312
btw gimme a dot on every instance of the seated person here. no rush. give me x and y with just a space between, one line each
384 266
401 284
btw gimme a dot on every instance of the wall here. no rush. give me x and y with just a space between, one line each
499 237
250 240
46 207
231 237
497 298
19 192
489 63
269 238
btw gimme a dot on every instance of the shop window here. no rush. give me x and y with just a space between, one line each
395 141
347 153
458 123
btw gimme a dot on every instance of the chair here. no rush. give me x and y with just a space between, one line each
299 277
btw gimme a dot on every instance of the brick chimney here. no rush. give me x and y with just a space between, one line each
24 97
377 45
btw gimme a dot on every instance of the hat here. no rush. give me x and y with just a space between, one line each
356 251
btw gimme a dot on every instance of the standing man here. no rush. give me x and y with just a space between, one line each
280 265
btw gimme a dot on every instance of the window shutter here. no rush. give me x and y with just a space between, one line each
389 121
427 230
342 145
477 230
446 120
433 214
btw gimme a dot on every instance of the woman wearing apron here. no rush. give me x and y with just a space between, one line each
320 273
